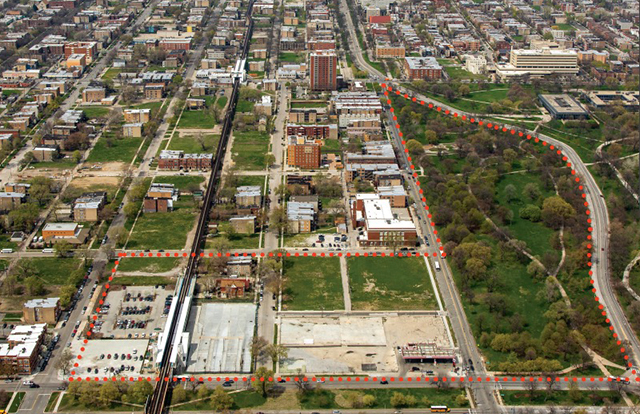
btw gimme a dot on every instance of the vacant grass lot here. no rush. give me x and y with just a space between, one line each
249 149
110 150
163 230
70 403
154 106
238 241
148 264
61 163
53 270
598 398
95 111
112 73
312 284
291 57
191 145
196 119
222 101
181 182
391 283
536 235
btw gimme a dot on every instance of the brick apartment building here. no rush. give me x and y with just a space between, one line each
21 351
93 95
87 207
177 160
303 152
137 115
45 310
323 73
313 131
88 49
426 68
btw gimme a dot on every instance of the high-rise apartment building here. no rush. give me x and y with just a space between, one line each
323 71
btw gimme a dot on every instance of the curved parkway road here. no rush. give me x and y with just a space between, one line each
597 206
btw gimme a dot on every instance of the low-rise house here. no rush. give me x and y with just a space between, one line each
87 207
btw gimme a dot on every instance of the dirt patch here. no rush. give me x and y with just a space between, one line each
88 182
108 166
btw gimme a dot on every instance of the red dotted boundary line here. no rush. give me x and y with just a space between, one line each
545 145
480 123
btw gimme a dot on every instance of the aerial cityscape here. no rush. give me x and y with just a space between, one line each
320 206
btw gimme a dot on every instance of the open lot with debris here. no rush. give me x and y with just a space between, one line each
333 343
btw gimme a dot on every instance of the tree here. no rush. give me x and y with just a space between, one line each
510 192
62 248
279 220
203 392
414 147
108 393
398 400
77 156
555 211
530 212
34 286
464 90
263 382
531 191
277 352
130 210
269 159
220 400
139 391
179 394
40 189
258 347
64 363
369 400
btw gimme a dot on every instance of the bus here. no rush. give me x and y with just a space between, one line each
440 409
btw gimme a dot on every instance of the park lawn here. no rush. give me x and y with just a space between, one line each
163 230
242 399
52 401
17 400
70 403
541 397
583 141
312 284
331 146
121 150
53 270
390 283
222 101
181 182
148 264
95 111
563 26
521 291
425 397
290 57
536 235
190 145
196 120
249 150
456 73
141 280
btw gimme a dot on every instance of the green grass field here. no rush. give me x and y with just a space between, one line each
222 101
154 106
456 73
331 146
190 144
291 57
196 120
251 180
9 92
249 149
119 150
313 284
536 235
425 397
5 242
390 284
148 264
112 73
163 230
238 241
305 105
69 404
53 271
181 182
95 111
244 106
61 163
597 398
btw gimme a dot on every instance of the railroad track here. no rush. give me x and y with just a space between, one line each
156 403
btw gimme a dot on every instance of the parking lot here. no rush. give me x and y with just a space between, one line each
108 357
330 241
133 313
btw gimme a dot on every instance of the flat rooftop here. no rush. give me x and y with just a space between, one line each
221 335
